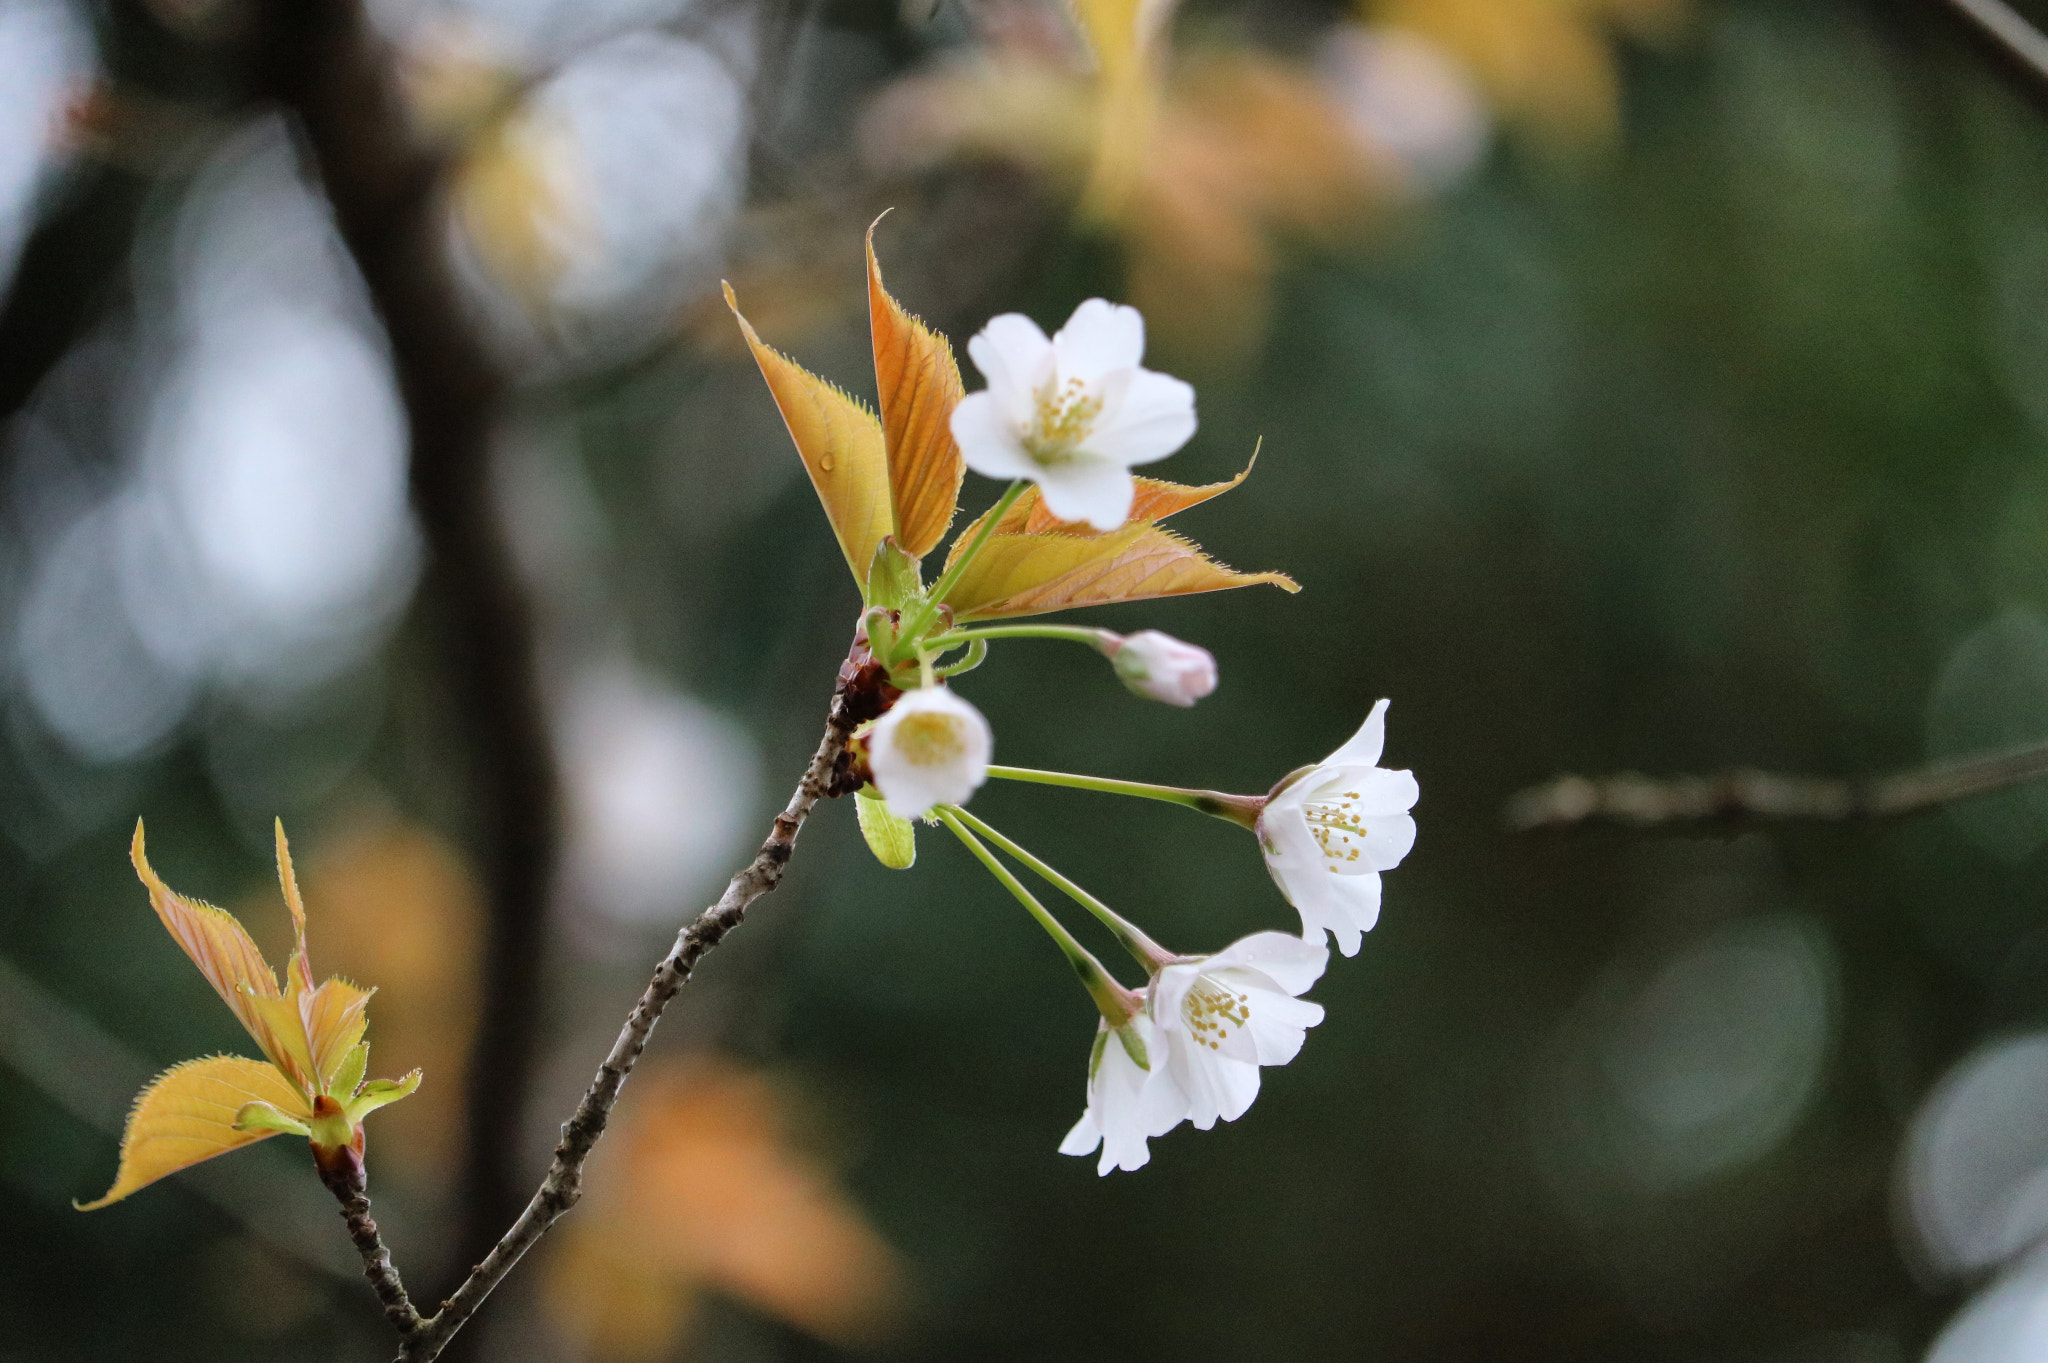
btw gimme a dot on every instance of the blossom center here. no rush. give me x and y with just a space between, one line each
1063 418
1338 828
1211 1011
930 739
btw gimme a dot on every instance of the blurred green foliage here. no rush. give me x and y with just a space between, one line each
1720 450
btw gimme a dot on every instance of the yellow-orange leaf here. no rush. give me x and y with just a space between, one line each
1032 574
188 1115
1155 500
217 944
918 385
841 445
335 1020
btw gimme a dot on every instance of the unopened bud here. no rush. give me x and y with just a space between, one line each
1162 668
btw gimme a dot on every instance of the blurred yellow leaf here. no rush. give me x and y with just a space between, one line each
509 196
1199 170
1546 63
842 447
706 1190
918 385
400 905
1031 574
187 1115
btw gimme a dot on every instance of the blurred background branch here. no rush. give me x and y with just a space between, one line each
386 186
1737 797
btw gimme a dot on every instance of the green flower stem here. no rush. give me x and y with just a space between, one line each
1147 952
951 577
1101 640
1114 1001
1242 810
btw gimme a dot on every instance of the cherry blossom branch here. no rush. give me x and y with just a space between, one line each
350 1190
563 1185
1734 796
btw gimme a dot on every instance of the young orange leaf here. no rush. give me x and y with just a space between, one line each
841 444
1032 574
918 384
335 1020
217 944
188 1115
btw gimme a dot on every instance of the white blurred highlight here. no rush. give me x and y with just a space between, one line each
1695 1064
1404 96
1976 1161
642 166
2006 1324
258 536
46 55
662 790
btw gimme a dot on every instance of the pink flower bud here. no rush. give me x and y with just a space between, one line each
1162 668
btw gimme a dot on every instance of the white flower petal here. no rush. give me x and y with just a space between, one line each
1367 790
1280 1024
1388 838
932 748
1016 359
989 441
1350 906
1085 1136
1237 1084
1364 747
1100 337
1096 491
1285 961
1155 417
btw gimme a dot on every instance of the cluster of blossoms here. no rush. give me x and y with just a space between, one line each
1065 418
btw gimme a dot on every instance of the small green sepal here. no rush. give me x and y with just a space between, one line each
264 1117
380 1093
349 1077
892 840
893 579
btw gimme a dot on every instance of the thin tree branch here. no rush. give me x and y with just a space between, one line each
337 75
563 1185
1738 796
2010 29
350 1190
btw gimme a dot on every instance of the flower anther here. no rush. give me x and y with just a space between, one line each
1329 831
932 748
1072 412
1217 1019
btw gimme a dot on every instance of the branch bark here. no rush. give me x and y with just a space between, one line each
1640 801
334 72
350 1189
563 1185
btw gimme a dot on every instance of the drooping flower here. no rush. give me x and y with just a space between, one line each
1329 831
930 749
1072 413
1217 1019
1127 1103
1160 667
310 1084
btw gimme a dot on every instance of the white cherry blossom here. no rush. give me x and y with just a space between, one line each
1072 413
931 748
1127 1105
1160 667
1329 832
1217 1019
